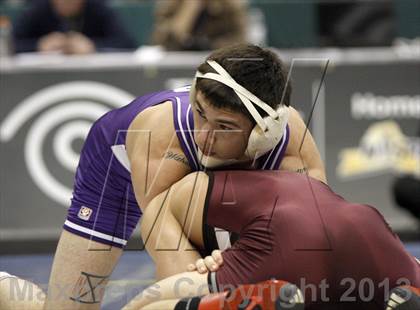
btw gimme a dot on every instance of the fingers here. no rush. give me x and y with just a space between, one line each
209 263
205 265
201 266
217 256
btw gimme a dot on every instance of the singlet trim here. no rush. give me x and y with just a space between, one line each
95 233
182 131
277 151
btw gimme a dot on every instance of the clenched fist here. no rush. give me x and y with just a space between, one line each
209 263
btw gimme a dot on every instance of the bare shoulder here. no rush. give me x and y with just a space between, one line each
156 158
155 123
161 111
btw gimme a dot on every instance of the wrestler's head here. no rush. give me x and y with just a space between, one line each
219 131
221 120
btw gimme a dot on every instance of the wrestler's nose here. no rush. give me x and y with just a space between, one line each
205 137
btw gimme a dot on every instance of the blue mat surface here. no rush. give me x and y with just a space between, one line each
134 272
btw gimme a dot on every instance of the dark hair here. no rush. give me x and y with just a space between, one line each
257 69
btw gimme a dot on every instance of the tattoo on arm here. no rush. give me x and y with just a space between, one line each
177 157
89 288
302 170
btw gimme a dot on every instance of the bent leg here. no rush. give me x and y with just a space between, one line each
80 271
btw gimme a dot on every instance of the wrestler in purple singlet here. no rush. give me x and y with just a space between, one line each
104 207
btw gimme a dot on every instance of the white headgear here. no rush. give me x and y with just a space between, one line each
268 131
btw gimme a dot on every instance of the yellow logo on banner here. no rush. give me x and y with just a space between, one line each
383 148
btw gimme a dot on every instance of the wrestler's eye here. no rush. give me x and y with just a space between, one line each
200 114
223 127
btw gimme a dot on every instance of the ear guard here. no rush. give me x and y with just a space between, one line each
268 130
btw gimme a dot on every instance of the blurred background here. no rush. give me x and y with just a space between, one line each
63 63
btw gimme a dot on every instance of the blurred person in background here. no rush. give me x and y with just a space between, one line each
199 24
71 27
357 23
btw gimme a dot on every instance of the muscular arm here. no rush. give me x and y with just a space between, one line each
172 220
304 160
157 162
156 158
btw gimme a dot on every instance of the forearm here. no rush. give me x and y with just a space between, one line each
184 19
165 240
171 262
178 286
296 164
318 174
302 154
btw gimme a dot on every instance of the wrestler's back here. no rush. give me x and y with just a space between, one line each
311 233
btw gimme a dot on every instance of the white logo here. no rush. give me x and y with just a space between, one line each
370 106
84 213
65 108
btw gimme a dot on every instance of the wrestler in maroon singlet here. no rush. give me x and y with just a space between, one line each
295 228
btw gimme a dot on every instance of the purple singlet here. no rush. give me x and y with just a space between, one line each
103 206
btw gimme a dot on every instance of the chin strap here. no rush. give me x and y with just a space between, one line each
268 130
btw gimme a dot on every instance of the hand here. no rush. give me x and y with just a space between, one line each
77 43
209 263
53 42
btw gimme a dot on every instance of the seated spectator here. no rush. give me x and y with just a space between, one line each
200 24
357 23
71 27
